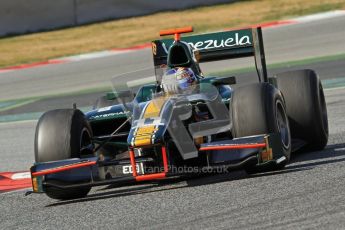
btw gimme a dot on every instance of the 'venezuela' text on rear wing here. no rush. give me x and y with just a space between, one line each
218 46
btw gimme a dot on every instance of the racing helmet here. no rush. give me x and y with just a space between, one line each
177 79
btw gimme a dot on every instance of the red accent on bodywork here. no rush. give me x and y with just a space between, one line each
152 176
165 159
63 168
134 165
176 32
227 147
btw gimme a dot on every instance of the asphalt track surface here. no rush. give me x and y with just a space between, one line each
308 193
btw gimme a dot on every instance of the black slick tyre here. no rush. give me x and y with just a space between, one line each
305 106
62 134
256 109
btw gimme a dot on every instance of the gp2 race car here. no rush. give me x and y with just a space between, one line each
209 126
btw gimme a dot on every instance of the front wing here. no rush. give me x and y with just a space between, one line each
86 172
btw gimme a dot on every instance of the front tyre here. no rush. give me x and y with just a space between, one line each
257 109
62 134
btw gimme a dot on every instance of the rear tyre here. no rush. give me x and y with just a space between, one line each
305 106
62 134
259 108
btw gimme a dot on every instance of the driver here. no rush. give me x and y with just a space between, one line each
177 79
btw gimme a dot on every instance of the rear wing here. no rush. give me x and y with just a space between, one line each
219 46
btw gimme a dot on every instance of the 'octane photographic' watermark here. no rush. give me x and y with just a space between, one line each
188 169
127 169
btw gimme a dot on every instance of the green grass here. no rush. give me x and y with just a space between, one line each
14 103
281 65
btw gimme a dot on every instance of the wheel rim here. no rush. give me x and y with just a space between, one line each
85 138
283 125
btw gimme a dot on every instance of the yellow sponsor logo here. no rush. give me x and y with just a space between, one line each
147 130
34 184
154 108
143 135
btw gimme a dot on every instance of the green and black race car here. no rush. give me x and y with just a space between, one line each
158 133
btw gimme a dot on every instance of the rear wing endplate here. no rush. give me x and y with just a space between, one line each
219 46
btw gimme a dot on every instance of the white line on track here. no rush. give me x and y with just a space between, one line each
320 16
93 55
21 175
